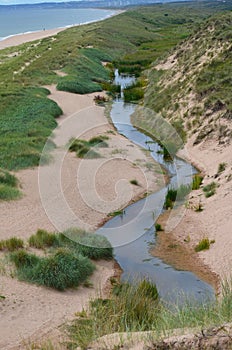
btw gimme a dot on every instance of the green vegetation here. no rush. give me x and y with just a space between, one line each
210 189
173 195
11 244
133 311
8 186
60 270
134 92
204 244
66 262
134 182
116 213
131 308
43 239
27 116
221 167
197 181
158 227
84 149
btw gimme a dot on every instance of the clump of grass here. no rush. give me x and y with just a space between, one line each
61 270
204 244
11 244
8 186
197 181
173 195
91 245
210 189
131 308
116 213
221 167
43 239
134 182
158 227
84 149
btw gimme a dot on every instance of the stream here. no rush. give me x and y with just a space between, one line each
133 233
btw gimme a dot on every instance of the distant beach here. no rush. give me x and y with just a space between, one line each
24 25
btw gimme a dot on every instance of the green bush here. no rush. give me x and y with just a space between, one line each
61 270
43 239
11 244
202 245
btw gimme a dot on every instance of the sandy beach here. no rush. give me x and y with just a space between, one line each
90 189
19 39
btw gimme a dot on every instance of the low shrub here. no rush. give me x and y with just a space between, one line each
61 270
204 244
11 244
43 239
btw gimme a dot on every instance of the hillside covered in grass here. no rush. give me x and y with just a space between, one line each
191 88
131 40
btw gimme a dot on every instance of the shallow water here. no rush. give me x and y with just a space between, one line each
133 233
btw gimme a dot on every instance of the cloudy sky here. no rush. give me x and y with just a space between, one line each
11 2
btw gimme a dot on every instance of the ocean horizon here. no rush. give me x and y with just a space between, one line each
16 21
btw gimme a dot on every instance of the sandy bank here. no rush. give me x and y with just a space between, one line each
213 222
90 188
27 37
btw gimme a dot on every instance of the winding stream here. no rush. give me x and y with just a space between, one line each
133 233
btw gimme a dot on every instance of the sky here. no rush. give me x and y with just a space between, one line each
12 2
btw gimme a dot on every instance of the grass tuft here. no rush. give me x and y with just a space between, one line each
43 239
11 244
204 244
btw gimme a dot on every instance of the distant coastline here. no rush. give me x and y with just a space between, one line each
43 20
21 38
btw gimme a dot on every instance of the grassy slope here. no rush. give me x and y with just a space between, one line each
27 115
195 92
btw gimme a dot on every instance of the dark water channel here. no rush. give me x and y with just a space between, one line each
133 233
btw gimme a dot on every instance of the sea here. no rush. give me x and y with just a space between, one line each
16 20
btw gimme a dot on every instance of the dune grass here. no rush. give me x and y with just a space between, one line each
8 186
176 195
11 244
27 116
85 149
130 308
60 270
137 308
66 263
